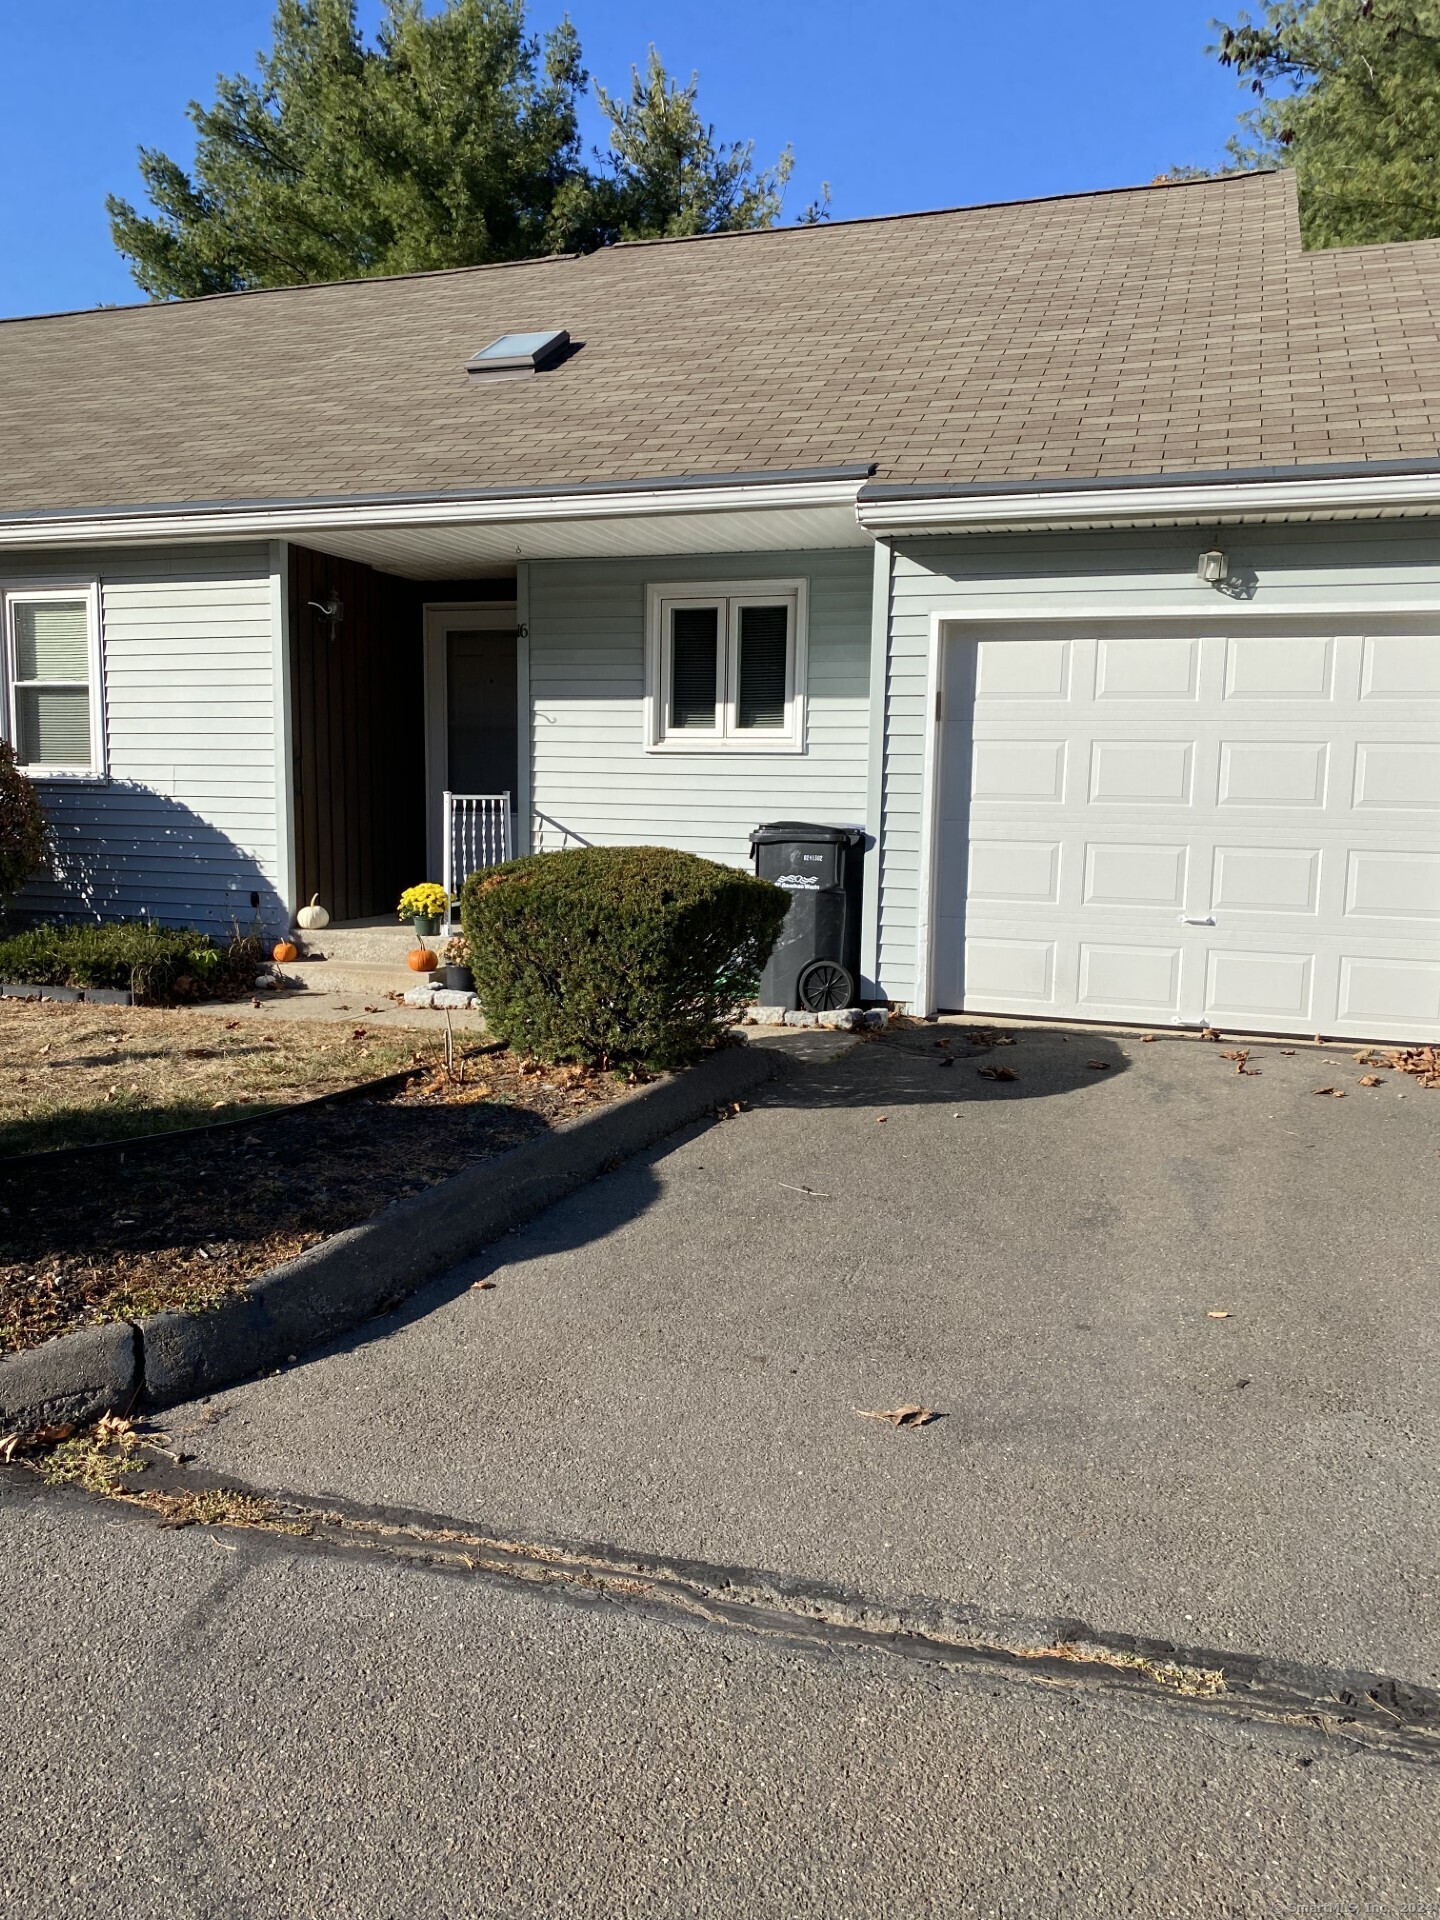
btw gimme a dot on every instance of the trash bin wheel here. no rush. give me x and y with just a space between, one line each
824 986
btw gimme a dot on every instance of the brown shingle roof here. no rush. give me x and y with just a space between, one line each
1165 328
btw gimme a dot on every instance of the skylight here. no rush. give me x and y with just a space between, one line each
517 353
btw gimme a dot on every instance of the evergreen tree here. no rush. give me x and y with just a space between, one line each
1350 98
665 174
451 141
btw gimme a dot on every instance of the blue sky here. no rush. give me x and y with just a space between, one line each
899 104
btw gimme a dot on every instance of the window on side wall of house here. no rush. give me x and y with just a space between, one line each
726 667
52 710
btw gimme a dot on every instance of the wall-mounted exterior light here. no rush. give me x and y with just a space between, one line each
1212 568
331 608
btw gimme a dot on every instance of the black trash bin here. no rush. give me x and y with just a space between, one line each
816 962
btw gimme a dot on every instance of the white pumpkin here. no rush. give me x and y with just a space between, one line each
313 917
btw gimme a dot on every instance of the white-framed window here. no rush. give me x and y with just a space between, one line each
725 668
53 710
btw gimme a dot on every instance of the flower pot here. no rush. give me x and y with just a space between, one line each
459 980
427 925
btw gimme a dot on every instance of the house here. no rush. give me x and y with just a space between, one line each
1083 550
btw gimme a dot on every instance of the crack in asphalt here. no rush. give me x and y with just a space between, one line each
1359 1708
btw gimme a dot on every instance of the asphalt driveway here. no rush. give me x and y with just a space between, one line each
673 1360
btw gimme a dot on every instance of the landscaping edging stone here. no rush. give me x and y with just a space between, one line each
72 1380
95 996
354 1275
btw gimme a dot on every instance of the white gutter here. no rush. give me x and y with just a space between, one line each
294 519
1205 501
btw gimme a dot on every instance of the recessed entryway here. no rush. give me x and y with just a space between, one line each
473 708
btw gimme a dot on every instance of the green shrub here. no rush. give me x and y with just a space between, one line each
24 834
616 956
156 963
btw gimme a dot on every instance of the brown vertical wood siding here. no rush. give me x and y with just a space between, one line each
358 719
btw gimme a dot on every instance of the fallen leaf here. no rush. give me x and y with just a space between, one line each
882 1119
1147 1039
1240 1055
900 1416
1218 1313
997 1073
370 1009
1288 1052
482 1286
1370 1080
1335 1093
1100 1066
945 1063
1209 1033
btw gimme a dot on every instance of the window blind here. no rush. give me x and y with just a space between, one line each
694 666
52 673
53 726
52 641
764 645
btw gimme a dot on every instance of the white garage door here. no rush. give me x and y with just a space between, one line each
1143 822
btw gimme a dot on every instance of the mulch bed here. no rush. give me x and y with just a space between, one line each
180 1224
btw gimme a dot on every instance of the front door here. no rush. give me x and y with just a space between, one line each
474 708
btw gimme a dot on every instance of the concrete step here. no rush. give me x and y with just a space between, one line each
385 944
367 980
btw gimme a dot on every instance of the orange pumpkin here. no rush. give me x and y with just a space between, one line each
284 951
422 960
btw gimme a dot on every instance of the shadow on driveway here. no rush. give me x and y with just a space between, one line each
905 1068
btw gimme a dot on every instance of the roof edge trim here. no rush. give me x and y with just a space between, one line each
587 500
1338 487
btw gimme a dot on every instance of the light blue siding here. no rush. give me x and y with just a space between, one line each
1090 574
184 826
591 774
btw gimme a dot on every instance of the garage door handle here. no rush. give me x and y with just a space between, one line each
1197 920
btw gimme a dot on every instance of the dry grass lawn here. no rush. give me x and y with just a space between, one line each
74 1074
180 1222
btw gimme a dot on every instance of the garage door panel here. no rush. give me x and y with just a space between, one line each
1142 772
1015 870
1400 666
1240 826
1018 770
1382 995
1271 773
1040 671
1392 885
1127 874
1278 667
1250 879
1142 979
1012 969
1397 776
1147 669
1258 989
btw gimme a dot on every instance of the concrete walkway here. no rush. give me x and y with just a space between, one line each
673 1359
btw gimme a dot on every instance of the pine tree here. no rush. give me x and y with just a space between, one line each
451 141
1350 98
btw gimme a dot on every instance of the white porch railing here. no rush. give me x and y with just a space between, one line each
475 832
